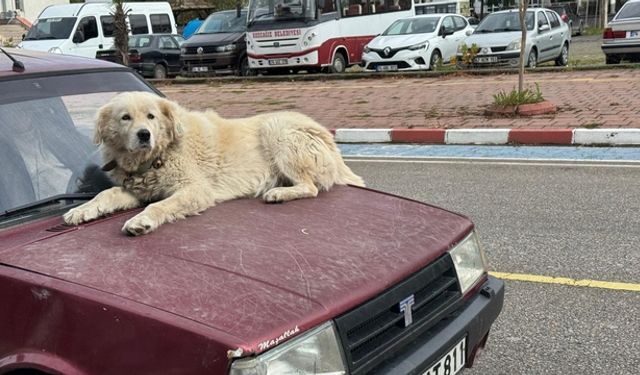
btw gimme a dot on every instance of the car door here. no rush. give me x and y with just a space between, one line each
171 53
560 32
461 25
86 38
447 43
544 39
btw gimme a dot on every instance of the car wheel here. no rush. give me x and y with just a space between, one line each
243 67
563 58
435 60
532 61
338 65
159 72
612 59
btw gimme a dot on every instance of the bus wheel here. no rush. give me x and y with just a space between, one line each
338 65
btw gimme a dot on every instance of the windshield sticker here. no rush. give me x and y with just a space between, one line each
273 342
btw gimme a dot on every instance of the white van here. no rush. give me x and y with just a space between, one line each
84 29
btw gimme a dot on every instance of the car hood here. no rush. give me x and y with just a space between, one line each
219 39
40 45
245 268
399 41
494 39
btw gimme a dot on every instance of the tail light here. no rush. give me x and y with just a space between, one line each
134 56
610 34
565 18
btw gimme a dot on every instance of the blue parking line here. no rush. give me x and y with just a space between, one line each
497 152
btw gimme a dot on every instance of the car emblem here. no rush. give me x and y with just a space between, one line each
200 50
276 44
405 307
386 51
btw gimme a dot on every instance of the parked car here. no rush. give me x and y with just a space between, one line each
420 42
498 38
218 47
155 56
621 37
84 29
568 13
244 288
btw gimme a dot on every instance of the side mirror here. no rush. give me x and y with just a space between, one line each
446 31
78 37
544 28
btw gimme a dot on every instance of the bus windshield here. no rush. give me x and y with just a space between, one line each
278 10
51 28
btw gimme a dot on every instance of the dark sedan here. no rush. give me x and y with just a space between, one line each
154 56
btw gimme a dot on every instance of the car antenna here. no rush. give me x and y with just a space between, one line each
18 66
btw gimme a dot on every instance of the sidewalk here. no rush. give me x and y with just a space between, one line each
602 99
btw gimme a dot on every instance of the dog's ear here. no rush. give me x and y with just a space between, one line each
104 116
171 111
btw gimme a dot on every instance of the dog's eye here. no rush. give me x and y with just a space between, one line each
126 118
150 116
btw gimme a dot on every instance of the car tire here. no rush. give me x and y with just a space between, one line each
243 68
338 65
612 59
435 60
532 60
563 58
159 72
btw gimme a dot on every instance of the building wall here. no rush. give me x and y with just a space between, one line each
29 9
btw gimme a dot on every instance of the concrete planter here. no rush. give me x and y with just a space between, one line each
543 108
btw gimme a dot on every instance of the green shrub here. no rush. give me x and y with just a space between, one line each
515 97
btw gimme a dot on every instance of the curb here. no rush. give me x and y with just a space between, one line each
577 136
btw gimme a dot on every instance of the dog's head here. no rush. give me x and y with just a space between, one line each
138 123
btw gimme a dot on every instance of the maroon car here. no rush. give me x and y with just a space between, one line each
352 282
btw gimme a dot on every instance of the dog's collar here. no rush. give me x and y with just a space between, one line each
153 163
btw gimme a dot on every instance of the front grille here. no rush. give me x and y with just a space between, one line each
398 64
390 54
376 330
205 49
498 49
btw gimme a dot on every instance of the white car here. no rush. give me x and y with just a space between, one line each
498 39
416 43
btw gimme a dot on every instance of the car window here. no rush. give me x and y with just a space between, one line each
629 10
89 27
553 19
107 25
447 23
138 24
160 23
224 22
504 22
51 28
418 25
460 23
167 42
542 19
140 41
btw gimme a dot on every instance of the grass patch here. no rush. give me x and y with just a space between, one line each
515 97
592 125
592 31
361 101
275 102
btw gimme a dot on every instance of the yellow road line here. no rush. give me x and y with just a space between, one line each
567 281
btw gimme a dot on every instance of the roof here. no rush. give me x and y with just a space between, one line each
40 62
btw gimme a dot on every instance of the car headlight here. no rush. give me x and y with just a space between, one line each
55 50
418 46
316 352
366 49
515 45
227 48
469 262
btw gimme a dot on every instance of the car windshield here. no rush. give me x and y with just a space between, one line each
46 132
268 11
139 41
504 22
224 22
629 10
51 28
421 25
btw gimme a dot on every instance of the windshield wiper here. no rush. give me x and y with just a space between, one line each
56 199
259 16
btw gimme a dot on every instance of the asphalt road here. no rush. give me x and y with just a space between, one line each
544 219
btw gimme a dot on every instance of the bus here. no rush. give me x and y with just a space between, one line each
329 35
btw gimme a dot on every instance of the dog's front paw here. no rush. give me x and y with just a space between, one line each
81 214
139 225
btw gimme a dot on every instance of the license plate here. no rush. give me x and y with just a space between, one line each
278 62
634 34
200 69
490 59
450 363
386 68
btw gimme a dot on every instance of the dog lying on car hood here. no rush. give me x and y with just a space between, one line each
183 162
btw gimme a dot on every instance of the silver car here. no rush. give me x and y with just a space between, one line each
621 37
498 39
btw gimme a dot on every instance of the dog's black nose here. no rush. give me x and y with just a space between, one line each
144 135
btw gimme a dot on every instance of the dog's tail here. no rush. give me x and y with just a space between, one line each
346 175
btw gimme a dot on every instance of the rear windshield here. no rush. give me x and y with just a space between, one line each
629 10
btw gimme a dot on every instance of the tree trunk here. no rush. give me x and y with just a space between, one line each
522 7
120 33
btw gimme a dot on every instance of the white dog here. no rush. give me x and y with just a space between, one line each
186 161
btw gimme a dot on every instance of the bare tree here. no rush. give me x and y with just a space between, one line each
121 32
